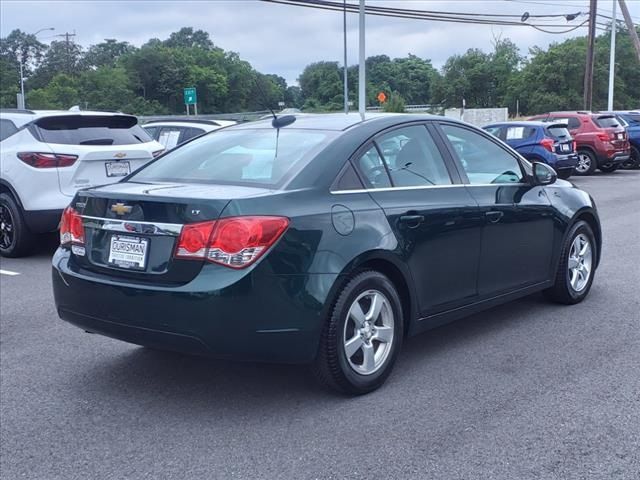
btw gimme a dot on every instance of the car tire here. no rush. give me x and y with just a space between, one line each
634 162
608 167
352 357
16 240
571 286
587 163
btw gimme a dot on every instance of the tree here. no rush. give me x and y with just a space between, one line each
321 85
394 104
106 54
186 37
61 57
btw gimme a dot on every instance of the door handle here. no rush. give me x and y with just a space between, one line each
494 216
412 221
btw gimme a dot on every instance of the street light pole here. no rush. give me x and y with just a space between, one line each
612 55
361 70
23 99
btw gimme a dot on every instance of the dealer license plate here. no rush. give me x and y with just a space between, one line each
117 169
128 252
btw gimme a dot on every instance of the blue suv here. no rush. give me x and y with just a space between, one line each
547 142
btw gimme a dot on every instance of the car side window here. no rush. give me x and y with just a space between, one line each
372 169
413 158
7 128
190 133
495 131
572 122
169 136
152 131
520 132
484 161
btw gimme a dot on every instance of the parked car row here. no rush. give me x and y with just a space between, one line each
576 142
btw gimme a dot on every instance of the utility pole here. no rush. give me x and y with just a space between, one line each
362 95
632 29
66 36
612 56
588 74
344 32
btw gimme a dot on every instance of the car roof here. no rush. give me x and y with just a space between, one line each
519 123
202 125
338 121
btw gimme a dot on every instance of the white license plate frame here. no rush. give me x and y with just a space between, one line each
130 253
117 169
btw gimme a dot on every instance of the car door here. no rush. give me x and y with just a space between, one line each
433 216
521 138
518 232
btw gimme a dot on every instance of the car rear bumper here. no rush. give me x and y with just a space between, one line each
616 158
258 318
42 221
565 162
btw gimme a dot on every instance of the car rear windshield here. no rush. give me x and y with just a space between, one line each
559 132
632 118
91 130
607 122
263 157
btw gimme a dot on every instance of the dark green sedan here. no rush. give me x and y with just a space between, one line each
322 239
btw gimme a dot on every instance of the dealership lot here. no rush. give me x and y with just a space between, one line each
526 390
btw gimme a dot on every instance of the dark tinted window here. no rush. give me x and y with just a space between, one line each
495 131
372 169
606 122
92 130
190 133
7 128
413 158
632 119
484 161
348 180
152 131
238 157
559 132
572 122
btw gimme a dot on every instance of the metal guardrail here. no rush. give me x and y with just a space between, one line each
237 117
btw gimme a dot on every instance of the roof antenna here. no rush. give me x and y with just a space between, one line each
277 122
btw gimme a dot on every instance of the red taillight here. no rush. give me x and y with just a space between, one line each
234 242
157 153
605 137
575 146
47 160
548 143
71 228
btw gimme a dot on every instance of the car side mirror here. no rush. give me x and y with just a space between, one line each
543 174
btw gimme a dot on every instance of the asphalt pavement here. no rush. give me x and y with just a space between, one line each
529 390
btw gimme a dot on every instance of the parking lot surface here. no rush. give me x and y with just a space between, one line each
529 390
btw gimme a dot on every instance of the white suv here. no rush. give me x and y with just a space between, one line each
46 156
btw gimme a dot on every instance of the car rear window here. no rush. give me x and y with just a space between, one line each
606 122
91 130
558 131
632 118
260 157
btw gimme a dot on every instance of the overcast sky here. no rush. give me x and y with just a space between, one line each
283 39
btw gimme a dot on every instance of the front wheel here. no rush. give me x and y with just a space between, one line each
362 337
586 163
577 266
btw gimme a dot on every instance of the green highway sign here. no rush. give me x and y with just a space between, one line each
190 96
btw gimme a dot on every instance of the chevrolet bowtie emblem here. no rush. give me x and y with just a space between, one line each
120 155
120 208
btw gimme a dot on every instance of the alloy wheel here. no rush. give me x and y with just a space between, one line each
584 163
6 228
580 262
368 332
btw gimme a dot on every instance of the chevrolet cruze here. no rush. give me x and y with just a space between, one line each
323 239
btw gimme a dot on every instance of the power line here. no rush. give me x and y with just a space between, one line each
450 17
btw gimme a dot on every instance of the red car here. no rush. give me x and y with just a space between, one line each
601 141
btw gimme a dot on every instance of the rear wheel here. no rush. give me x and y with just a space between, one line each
577 266
634 161
15 238
586 163
362 338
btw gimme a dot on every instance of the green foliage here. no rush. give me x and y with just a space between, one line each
394 104
114 75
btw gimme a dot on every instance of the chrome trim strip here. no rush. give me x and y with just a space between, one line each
132 226
424 187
